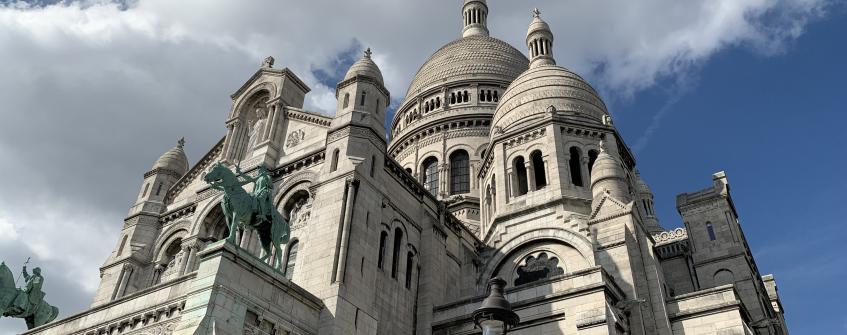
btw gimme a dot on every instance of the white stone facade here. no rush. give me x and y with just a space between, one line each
497 165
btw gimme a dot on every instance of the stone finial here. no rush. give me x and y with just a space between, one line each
602 146
268 62
368 53
180 143
536 12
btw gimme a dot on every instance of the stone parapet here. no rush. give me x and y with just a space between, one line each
154 308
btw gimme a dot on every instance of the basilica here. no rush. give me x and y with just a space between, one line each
498 162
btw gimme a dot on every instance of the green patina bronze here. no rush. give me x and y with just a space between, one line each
254 211
27 302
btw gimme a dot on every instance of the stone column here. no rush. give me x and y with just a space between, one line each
186 250
157 271
192 255
127 272
530 175
352 185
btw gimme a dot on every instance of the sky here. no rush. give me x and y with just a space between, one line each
92 92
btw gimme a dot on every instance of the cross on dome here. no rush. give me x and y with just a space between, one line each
536 13
368 53
180 143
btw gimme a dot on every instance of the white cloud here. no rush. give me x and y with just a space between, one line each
7 231
92 93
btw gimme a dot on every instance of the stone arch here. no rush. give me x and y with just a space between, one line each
723 277
176 232
562 235
266 87
302 179
203 213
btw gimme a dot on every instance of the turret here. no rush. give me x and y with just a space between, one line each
644 201
362 96
539 40
607 175
171 166
475 18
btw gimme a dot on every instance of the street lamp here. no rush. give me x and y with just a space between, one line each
495 316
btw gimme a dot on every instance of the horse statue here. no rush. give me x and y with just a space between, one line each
27 303
254 211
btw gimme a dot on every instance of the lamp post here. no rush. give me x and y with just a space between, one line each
495 316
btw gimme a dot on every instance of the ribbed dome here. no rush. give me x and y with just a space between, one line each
534 91
174 160
473 57
365 67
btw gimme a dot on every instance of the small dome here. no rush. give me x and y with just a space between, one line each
544 89
640 185
605 167
538 24
174 160
365 67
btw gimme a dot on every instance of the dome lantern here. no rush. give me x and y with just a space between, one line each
539 40
475 18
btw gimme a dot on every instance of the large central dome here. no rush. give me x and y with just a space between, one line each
474 57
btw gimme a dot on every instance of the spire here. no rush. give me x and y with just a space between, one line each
539 40
474 18
181 143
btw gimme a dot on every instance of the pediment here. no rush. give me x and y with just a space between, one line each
608 206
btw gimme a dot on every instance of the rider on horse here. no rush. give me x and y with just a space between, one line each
262 191
30 296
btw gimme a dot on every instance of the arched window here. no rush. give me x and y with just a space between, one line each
409 259
452 97
465 96
373 165
291 258
159 189
592 157
426 106
538 169
333 165
362 102
494 192
711 231
438 102
488 96
723 277
395 259
409 170
460 174
496 98
538 267
346 99
144 193
519 169
121 248
430 175
376 107
481 95
383 238
575 166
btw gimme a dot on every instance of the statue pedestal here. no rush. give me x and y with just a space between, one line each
234 291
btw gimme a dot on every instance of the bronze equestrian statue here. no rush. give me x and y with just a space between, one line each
27 302
254 211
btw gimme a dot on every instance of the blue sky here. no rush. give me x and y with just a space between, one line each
94 91
776 126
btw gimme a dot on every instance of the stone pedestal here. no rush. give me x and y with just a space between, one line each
234 291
